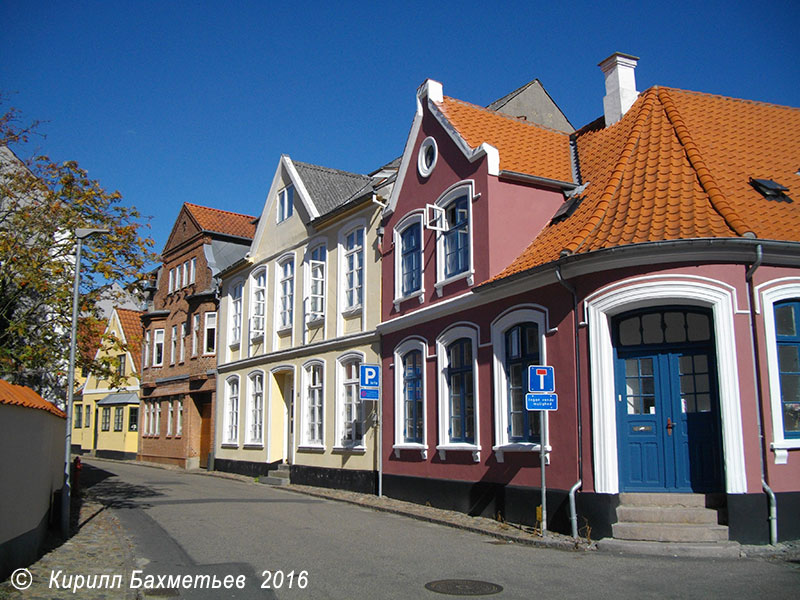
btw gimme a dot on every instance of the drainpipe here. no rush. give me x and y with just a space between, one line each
773 508
573 512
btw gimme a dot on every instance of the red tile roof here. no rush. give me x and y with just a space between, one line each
678 166
18 395
523 147
132 328
222 221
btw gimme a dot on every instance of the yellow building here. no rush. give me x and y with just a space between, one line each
298 317
106 418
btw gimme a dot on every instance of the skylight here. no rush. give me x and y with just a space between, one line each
771 190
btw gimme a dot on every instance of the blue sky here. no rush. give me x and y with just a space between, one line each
172 102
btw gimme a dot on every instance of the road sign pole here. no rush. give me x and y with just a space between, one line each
542 461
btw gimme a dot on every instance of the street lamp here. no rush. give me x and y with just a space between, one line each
81 234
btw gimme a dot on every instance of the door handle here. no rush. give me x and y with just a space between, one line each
670 426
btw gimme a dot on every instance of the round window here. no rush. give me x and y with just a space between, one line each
428 153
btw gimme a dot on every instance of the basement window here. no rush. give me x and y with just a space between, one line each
771 190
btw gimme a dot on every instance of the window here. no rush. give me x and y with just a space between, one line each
119 417
192 270
170 416
211 333
351 409
195 333
121 365
179 417
316 265
171 287
456 237
461 395
133 418
232 411
285 203
426 159
185 277
354 269
173 344
182 347
521 351
255 413
105 424
413 415
158 418
411 259
87 422
158 347
146 349
78 416
259 305
286 294
313 402
236 314
787 336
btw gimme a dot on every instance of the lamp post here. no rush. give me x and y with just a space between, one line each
80 234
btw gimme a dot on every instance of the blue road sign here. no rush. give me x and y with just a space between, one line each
541 379
541 401
370 376
369 394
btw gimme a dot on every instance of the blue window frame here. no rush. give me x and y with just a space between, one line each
412 398
411 259
456 237
787 333
462 397
522 350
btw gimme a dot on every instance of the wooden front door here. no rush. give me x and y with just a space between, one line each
205 433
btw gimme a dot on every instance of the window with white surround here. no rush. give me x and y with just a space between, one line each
255 408
316 283
182 348
235 298
158 418
313 373
408 264
258 286
173 344
170 416
146 352
285 203
353 269
179 417
158 347
457 351
195 333
232 410
350 409
119 417
171 287
410 396
285 304
454 240
192 270
210 345
185 278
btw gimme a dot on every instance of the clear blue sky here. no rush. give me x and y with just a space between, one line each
171 102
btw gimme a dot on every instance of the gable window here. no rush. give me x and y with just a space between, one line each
411 259
312 374
285 203
105 424
454 236
255 413
351 409
211 333
121 365
316 296
158 347
232 411
236 314
259 290
787 337
286 293
354 268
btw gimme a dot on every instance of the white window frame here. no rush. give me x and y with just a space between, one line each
146 353
348 308
192 269
780 290
236 304
171 287
527 313
170 416
258 306
284 295
179 418
195 333
457 190
157 432
233 392
158 344
173 344
285 208
307 374
447 337
255 409
416 218
400 351
211 315
312 268
341 387
182 348
185 277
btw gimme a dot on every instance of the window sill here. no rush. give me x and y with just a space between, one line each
421 448
257 338
309 448
234 345
519 447
316 322
284 331
353 311
419 294
254 446
781 450
351 449
468 275
230 445
444 448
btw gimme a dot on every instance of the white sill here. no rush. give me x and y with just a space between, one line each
254 446
230 444
353 449
318 322
519 447
352 311
420 294
421 448
444 448
468 275
785 444
307 448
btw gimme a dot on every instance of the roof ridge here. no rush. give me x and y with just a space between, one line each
229 212
723 96
600 211
695 158
331 170
507 117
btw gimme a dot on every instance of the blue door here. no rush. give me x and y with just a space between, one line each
668 431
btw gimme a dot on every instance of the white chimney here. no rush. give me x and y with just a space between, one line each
620 85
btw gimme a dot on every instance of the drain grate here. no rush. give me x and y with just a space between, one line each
464 587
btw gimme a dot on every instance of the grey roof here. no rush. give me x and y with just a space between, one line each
330 188
221 254
534 103
119 398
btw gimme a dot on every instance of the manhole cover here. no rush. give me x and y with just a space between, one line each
464 587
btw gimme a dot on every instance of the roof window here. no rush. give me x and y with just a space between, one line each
771 190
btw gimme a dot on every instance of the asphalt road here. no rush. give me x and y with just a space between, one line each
305 547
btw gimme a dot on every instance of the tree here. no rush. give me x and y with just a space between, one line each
42 203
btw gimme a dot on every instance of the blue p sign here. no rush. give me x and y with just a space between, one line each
370 376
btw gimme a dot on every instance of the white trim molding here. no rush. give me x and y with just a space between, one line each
403 348
454 192
655 291
415 217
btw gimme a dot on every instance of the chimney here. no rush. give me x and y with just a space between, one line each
620 85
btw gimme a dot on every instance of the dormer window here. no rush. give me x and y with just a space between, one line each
771 190
285 203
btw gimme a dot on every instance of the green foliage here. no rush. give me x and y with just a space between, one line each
42 203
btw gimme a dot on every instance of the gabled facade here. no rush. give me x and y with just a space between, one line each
105 419
179 352
653 262
297 318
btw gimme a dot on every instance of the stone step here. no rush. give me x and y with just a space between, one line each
670 532
723 549
272 480
662 499
666 514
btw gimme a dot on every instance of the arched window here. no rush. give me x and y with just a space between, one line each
258 307
461 395
232 410
255 408
522 351
413 409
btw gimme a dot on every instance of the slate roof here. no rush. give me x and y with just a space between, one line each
132 328
330 188
222 221
18 395
678 166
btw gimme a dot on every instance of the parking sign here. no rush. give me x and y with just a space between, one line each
370 376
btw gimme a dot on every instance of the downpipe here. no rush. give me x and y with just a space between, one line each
773 513
573 511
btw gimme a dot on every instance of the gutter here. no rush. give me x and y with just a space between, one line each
543 181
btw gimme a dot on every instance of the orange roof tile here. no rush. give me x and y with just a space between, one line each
524 147
132 328
678 166
18 395
222 221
